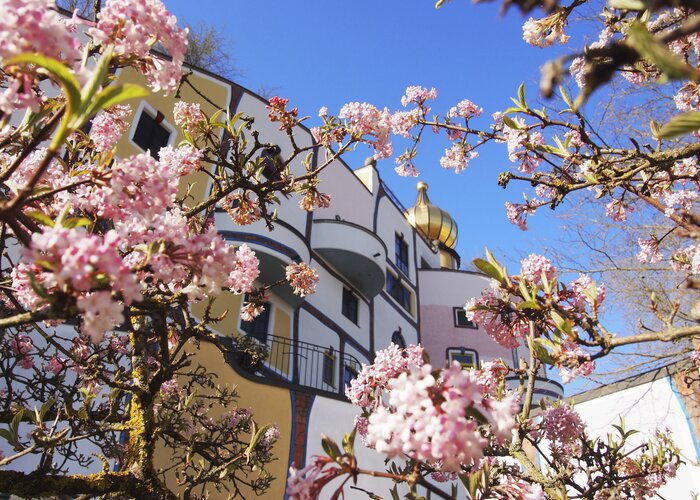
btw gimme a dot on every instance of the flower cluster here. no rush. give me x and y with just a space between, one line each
108 126
428 415
535 268
278 112
134 27
187 115
302 278
369 124
547 31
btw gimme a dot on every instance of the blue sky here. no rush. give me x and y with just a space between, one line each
320 52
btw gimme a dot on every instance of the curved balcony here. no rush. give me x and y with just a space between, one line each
275 252
544 388
355 252
293 364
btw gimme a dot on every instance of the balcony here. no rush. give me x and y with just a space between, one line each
544 388
355 252
294 364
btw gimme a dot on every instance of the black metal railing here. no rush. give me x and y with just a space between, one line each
303 364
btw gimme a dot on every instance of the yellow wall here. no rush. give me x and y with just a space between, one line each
270 405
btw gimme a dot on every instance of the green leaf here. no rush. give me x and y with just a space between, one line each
511 123
529 304
349 442
330 447
521 95
565 97
59 71
541 352
40 217
684 123
7 436
488 269
561 323
16 420
627 5
113 95
648 47
99 73
73 222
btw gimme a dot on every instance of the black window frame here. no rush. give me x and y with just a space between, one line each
398 291
401 253
350 305
328 367
458 313
461 351
349 374
145 132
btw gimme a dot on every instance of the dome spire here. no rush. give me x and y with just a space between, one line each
435 223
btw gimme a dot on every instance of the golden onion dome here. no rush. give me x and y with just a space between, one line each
432 221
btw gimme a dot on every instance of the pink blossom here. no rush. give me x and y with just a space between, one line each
182 160
387 364
302 278
418 95
323 112
278 112
457 158
245 270
576 70
32 26
108 126
485 311
170 391
562 424
22 346
369 124
403 121
617 210
581 288
682 198
517 213
56 365
534 267
546 31
572 361
134 27
313 199
242 208
250 311
688 97
649 250
100 314
465 109
187 115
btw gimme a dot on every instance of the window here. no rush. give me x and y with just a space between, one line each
401 248
258 327
466 357
399 292
350 305
329 367
272 163
397 338
150 134
461 320
349 374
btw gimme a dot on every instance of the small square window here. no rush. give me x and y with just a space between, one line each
350 305
150 135
329 367
398 291
272 163
465 357
461 320
259 326
401 249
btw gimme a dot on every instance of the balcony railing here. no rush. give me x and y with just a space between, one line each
297 364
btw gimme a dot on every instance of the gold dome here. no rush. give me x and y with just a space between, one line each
432 221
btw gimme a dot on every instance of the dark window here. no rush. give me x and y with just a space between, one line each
401 254
272 163
424 264
150 135
461 320
399 292
397 338
466 358
349 374
258 327
350 305
329 367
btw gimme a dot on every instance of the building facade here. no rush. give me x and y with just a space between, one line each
387 274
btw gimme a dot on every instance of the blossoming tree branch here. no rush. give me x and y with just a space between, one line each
105 264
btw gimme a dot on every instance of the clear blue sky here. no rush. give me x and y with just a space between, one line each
320 52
